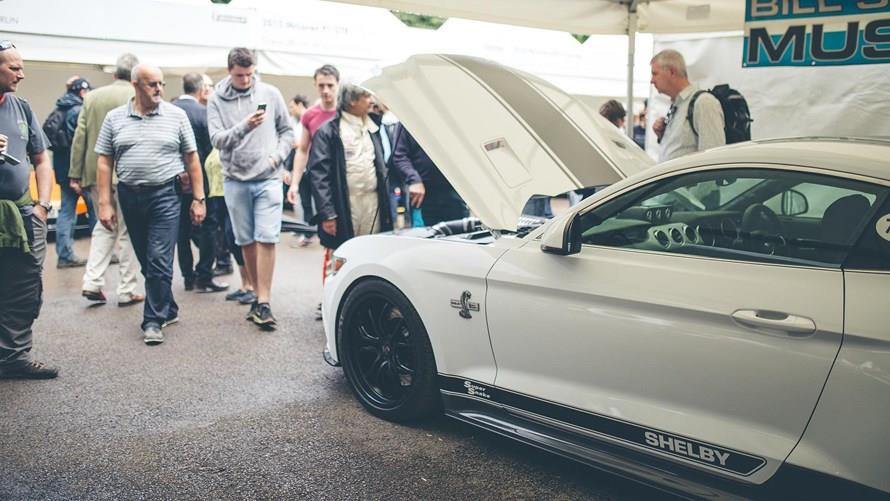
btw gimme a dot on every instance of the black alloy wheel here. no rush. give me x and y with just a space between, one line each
386 354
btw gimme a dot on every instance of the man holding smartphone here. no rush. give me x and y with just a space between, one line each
249 125
22 222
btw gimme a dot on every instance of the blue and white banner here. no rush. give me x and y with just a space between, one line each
816 32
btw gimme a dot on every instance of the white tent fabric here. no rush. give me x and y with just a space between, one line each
294 37
589 16
594 69
585 16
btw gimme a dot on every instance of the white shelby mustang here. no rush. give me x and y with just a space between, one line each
714 324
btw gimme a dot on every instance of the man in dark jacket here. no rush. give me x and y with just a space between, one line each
60 135
427 187
196 88
348 175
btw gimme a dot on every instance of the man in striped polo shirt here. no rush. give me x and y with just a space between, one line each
149 142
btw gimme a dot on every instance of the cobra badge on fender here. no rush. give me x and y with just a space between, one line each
465 305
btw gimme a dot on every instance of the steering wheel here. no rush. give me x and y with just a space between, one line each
761 230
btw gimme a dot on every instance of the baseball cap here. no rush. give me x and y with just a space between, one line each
79 84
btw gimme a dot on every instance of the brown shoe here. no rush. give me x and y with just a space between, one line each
130 299
97 296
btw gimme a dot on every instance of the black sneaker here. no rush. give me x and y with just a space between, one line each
189 283
74 262
210 286
262 316
249 297
253 307
28 370
236 295
223 270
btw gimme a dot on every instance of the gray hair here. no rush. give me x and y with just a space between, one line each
350 93
669 58
124 66
192 83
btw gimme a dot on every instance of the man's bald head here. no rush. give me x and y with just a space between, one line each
12 70
148 81
142 72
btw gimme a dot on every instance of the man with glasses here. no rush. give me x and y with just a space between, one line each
149 142
82 178
22 222
675 134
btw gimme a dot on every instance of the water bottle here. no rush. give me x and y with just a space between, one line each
400 219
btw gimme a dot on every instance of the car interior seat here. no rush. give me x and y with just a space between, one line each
842 218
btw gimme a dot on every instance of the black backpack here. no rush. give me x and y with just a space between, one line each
56 131
736 115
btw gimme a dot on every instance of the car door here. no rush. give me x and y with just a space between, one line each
677 329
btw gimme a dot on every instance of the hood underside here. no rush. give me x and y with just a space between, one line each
500 135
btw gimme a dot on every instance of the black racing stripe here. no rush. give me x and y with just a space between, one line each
575 150
736 462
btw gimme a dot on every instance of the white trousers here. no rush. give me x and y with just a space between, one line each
101 249
363 209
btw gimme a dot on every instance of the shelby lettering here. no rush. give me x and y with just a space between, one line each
690 449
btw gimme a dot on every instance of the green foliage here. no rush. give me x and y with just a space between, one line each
419 20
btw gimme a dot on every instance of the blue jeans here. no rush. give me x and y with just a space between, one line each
254 210
66 220
152 217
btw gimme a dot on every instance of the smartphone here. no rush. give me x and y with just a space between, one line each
261 107
6 158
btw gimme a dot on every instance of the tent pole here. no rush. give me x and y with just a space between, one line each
631 51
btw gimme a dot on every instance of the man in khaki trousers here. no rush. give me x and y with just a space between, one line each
82 177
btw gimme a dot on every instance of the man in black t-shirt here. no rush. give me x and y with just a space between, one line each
22 222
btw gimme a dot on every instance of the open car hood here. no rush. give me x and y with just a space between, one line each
500 135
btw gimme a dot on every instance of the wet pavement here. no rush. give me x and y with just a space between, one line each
222 410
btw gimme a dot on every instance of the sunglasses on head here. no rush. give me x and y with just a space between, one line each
6 44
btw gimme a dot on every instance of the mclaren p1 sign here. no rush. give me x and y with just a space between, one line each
816 32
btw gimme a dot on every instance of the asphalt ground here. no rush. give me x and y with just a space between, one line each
222 410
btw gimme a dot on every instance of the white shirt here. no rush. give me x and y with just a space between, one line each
679 139
355 132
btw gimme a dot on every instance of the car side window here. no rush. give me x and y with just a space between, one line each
872 250
758 215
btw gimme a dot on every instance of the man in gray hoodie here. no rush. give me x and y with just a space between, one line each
248 124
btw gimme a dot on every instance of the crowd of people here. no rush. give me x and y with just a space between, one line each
215 167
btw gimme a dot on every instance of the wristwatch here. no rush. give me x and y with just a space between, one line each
46 205
199 200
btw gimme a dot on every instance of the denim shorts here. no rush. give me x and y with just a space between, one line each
255 210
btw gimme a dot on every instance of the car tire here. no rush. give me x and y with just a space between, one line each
386 354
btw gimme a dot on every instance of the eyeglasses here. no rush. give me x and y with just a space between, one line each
6 44
156 85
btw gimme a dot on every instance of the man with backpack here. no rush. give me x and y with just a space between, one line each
59 128
677 134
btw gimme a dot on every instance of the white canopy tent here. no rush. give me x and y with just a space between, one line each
291 37
589 17
785 101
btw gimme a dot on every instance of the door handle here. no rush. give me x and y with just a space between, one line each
775 320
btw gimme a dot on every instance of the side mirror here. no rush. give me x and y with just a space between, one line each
794 203
562 236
